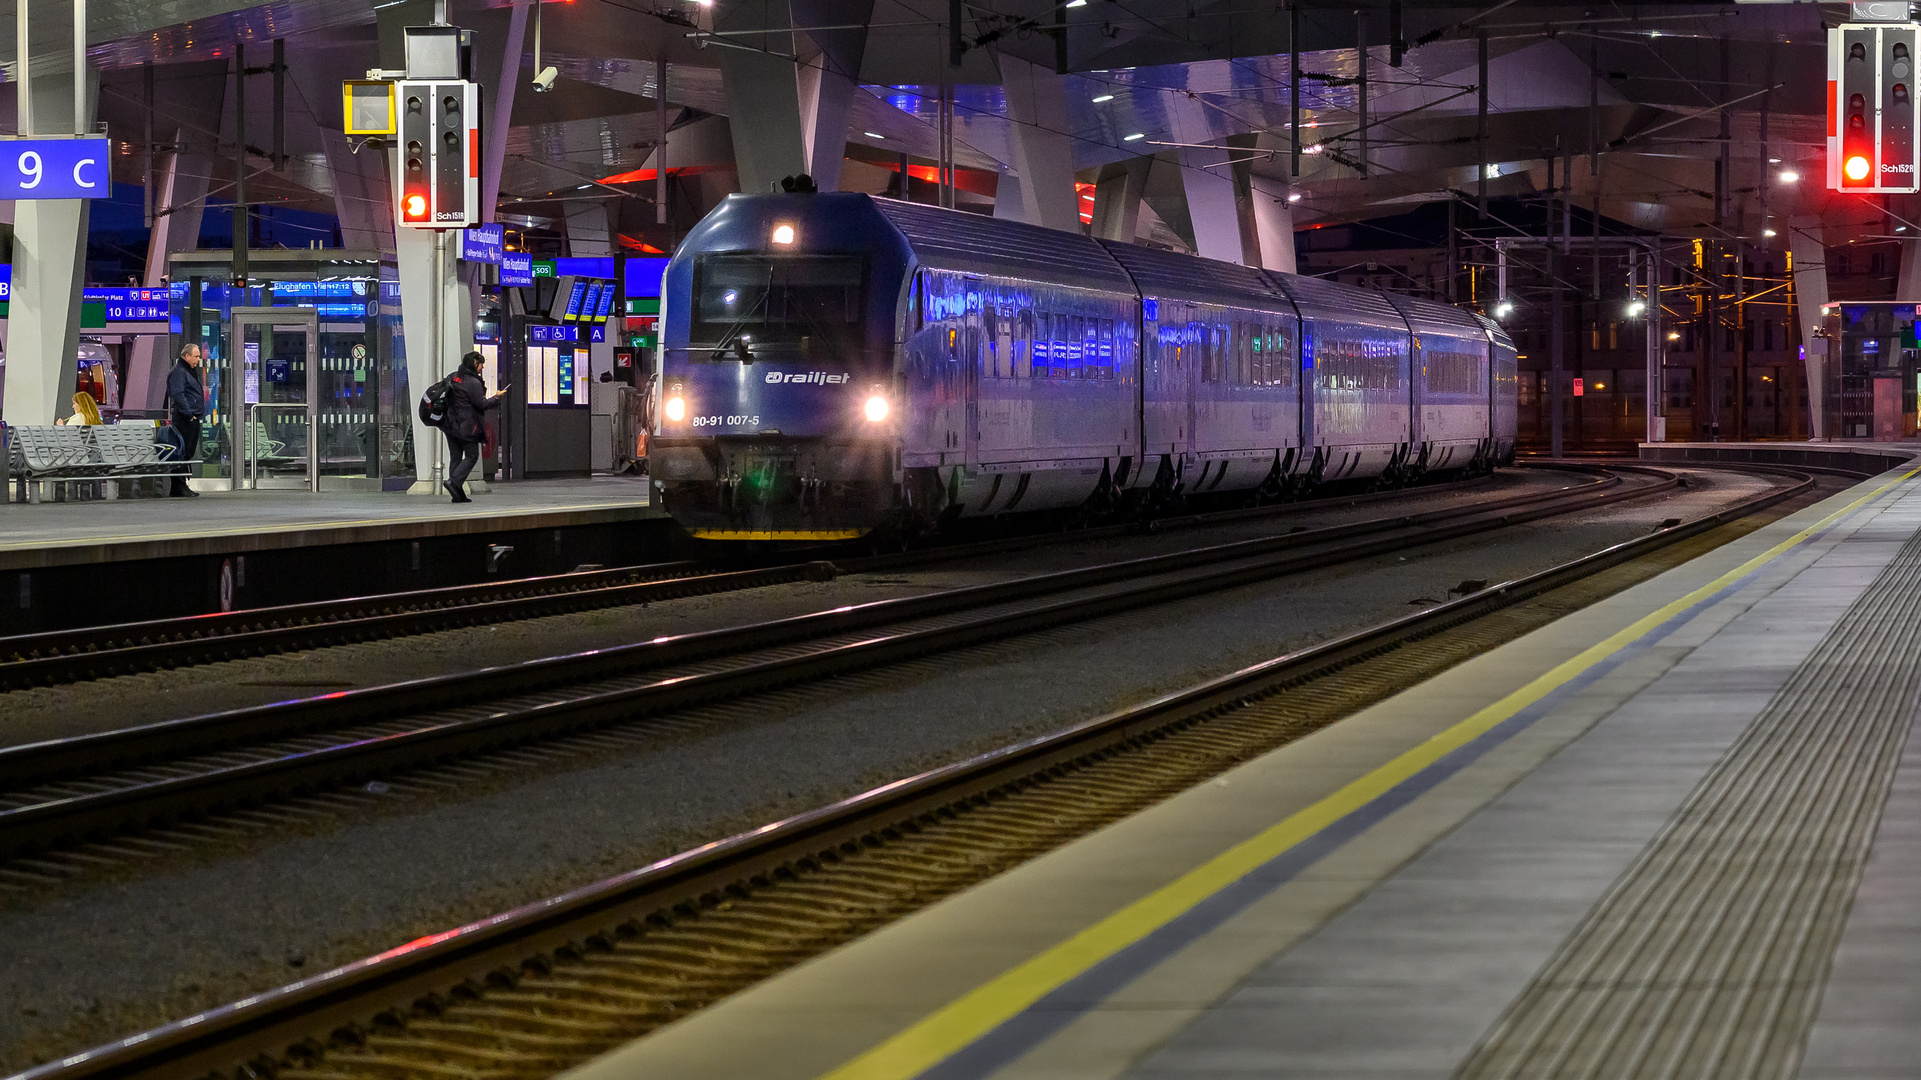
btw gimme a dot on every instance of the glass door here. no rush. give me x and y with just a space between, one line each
272 353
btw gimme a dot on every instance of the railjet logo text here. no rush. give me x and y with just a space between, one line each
818 378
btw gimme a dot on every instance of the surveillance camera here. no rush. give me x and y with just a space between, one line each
544 81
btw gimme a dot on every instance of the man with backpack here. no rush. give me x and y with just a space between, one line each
464 401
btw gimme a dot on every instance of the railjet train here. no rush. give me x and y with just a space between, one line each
836 364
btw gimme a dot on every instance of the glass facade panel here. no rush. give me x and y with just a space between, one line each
360 403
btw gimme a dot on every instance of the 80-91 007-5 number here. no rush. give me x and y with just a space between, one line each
727 421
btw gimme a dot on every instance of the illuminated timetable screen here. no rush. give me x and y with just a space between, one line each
606 305
574 298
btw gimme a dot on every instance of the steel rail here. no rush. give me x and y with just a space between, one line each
263 1026
62 656
476 711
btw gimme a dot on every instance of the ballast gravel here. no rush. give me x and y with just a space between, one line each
130 945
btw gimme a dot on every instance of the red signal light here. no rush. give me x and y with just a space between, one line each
416 205
1856 168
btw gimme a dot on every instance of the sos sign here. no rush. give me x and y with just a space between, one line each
55 168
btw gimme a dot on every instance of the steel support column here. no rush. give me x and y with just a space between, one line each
49 269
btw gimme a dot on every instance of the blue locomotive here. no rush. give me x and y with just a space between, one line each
835 363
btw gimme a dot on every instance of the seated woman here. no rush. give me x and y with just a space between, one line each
84 411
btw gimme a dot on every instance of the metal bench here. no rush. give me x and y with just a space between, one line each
58 458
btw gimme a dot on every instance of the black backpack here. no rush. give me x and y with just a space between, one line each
433 403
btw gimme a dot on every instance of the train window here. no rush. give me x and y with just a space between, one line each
1023 350
1076 338
1106 347
778 299
994 355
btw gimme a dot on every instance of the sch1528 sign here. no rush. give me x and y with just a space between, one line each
54 169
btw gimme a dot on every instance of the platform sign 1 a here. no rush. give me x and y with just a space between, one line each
41 168
1873 112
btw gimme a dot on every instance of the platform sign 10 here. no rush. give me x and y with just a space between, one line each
55 168
129 305
1872 107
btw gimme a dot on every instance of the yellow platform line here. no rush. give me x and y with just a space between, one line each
950 1029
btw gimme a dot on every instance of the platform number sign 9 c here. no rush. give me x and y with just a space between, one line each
55 168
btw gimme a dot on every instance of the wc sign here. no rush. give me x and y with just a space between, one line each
55 168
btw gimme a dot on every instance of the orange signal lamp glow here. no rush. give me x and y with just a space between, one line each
416 206
1856 168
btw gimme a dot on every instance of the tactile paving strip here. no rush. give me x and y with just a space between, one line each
1707 958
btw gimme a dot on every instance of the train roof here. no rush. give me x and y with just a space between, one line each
1430 317
1176 276
1494 330
977 244
1319 299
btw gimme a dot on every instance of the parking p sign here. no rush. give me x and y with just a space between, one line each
55 168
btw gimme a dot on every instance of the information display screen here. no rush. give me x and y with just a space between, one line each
575 297
606 306
130 305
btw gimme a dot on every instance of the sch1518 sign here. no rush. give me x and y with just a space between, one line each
54 169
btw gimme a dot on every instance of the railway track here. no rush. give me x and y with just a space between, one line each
535 990
113 783
77 655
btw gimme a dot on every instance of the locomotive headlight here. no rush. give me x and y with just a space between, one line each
783 234
875 409
676 409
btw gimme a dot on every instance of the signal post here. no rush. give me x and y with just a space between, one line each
429 116
1872 113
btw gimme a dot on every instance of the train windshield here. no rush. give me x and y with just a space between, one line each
744 302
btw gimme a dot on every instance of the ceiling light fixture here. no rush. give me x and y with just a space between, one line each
873 134
1103 97
1075 3
1767 232
1789 176
1293 196
1138 135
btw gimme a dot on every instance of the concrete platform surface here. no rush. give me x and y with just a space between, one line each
1374 899
117 530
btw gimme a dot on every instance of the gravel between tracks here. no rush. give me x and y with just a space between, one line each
125 947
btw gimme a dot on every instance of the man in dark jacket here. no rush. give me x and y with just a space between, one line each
467 402
186 404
